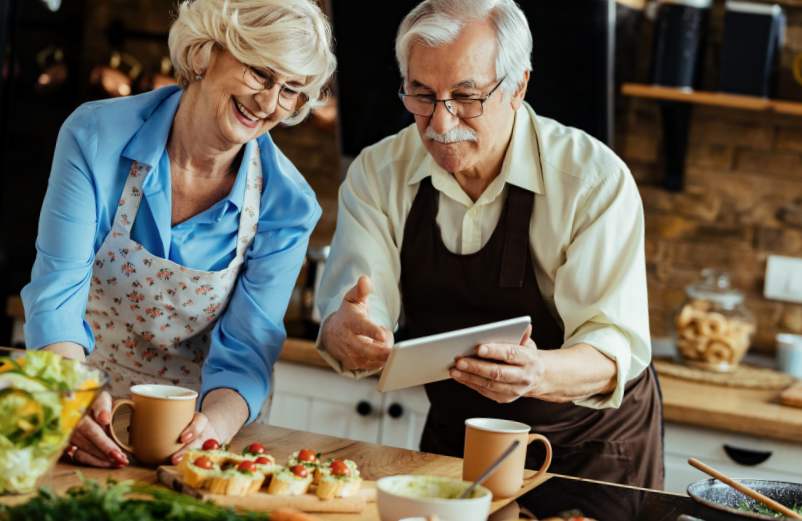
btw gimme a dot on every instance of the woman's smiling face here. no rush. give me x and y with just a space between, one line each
241 111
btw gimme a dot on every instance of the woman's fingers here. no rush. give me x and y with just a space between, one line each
195 428
101 409
95 434
83 443
85 458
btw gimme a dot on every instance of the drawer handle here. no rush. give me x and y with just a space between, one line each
747 457
364 408
395 410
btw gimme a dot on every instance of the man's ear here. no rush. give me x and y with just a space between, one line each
518 96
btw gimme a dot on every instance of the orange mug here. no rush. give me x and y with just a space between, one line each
161 413
486 439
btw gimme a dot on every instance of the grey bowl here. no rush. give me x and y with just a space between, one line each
720 496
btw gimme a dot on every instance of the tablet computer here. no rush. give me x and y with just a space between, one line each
427 359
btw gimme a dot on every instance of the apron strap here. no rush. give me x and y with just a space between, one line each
249 214
128 205
517 212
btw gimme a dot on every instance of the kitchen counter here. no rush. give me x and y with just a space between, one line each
746 411
556 494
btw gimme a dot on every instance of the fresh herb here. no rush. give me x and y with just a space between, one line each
760 508
120 501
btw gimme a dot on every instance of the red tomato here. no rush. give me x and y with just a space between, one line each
211 444
339 468
246 466
256 448
299 470
307 455
203 462
261 460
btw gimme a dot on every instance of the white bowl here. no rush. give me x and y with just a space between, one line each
422 496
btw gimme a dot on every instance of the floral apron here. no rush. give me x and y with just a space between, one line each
152 318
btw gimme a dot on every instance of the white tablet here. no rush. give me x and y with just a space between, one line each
427 359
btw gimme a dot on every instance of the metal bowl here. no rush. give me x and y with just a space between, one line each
717 495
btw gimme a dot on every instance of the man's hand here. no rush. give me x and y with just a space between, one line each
504 372
349 336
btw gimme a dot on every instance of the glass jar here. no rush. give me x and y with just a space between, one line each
713 327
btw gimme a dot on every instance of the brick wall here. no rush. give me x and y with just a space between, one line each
742 200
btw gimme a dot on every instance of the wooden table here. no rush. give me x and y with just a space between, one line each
375 461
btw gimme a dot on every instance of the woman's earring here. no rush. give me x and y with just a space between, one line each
199 77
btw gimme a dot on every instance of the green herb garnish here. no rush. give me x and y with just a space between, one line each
120 501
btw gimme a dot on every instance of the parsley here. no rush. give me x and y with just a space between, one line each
760 508
123 501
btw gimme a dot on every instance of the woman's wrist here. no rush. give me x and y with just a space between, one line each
227 412
67 350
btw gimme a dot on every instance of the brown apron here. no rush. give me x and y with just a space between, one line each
442 291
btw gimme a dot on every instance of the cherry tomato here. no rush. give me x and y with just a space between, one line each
339 468
203 462
211 444
261 460
246 466
256 448
299 470
307 455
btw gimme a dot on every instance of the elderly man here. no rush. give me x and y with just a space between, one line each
484 211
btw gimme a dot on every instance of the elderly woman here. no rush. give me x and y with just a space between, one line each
173 228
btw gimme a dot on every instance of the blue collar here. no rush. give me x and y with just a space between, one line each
149 142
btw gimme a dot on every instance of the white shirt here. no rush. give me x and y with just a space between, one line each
586 234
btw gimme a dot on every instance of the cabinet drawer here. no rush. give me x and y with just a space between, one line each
708 445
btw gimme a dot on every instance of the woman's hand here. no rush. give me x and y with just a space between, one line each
90 443
224 412
197 432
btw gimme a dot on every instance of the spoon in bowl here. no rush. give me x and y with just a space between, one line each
489 470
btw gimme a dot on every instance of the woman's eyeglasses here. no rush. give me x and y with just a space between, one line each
289 98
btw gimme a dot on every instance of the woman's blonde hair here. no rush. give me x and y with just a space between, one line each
292 37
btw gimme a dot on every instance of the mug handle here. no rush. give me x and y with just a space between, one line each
546 462
130 403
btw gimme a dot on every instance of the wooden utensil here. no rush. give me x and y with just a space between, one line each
754 494
493 466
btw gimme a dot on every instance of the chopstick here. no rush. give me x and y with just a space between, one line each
740 487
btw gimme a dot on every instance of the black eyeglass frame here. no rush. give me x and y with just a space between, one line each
434 101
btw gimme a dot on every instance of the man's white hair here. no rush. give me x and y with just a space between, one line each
439 22
292 37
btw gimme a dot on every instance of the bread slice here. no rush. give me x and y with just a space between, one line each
285 483
338 486
235 483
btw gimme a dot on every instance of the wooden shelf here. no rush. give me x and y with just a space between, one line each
718 99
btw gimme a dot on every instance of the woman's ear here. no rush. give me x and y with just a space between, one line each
518 96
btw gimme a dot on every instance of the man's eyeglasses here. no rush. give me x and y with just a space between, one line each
461 107
289 99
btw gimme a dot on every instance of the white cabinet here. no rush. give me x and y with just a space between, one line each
722 450
319 400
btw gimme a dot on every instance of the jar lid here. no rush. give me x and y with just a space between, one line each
715 287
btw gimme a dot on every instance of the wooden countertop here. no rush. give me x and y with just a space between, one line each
746 411
374 461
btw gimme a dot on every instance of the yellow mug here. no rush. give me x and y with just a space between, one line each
161 413
486 439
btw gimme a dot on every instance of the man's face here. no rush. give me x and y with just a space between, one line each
465 68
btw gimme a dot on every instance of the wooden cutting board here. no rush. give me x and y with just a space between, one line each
792 396
263 502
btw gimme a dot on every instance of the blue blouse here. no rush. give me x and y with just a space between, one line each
93 155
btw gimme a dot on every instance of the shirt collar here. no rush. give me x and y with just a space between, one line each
521 166
147 145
